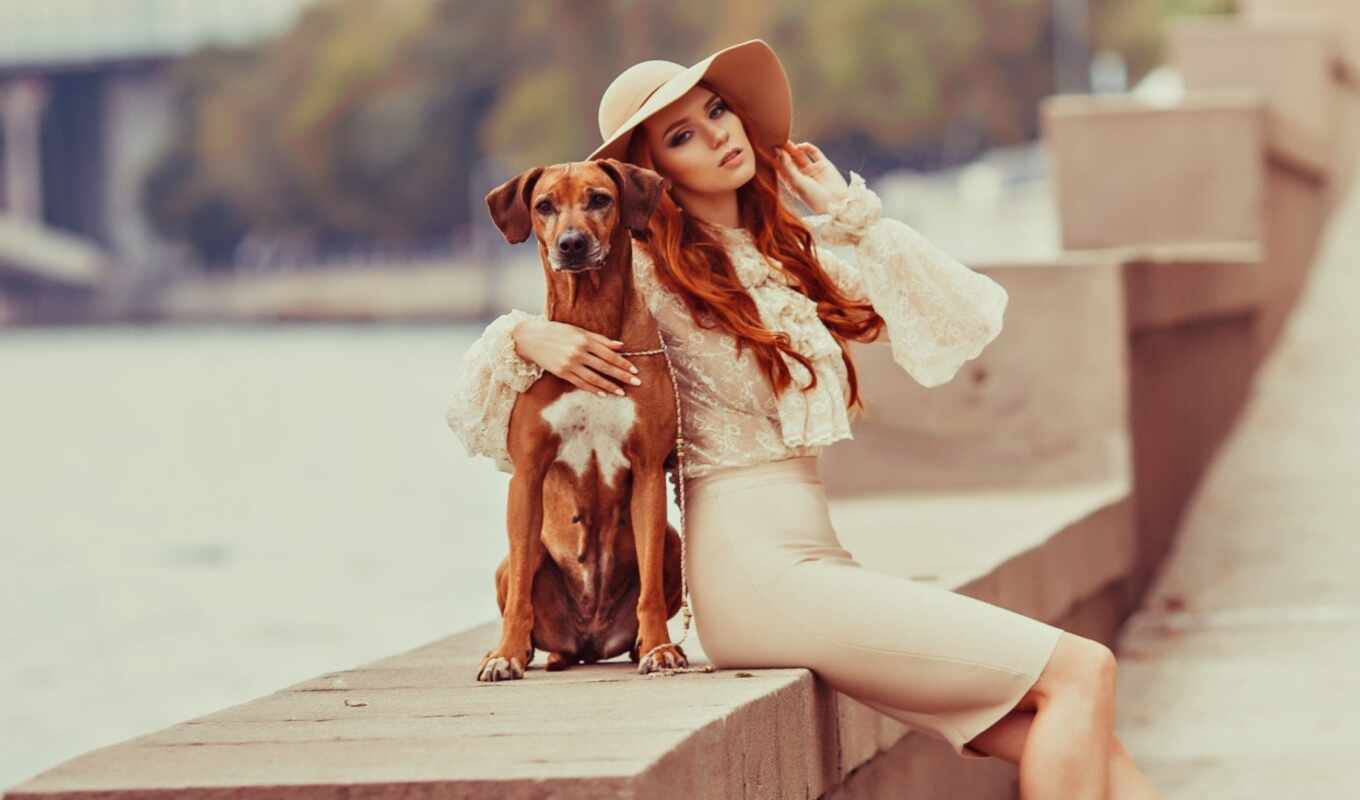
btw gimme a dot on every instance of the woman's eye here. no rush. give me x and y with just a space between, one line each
719 107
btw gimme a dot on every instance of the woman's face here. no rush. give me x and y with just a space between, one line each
689 137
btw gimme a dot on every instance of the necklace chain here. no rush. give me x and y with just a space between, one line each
686 612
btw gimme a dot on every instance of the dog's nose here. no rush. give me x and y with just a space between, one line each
573 244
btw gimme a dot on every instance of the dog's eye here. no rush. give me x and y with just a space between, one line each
599 201
544 207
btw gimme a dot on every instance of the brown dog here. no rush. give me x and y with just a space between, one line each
589 486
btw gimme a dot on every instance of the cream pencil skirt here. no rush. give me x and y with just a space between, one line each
771 586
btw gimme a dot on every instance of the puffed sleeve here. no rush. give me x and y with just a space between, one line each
939 313
845 275
491 377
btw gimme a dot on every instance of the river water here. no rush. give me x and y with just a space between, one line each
195 516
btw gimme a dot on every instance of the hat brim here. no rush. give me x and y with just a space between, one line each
749 73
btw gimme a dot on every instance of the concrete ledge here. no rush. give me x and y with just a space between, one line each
1239 252
1045 404
1174 285
1297 209
1127 171
1290 61
1036 551
418 723
1295 147
1188 384
1341 16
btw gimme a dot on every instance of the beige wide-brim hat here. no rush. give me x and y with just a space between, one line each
749 74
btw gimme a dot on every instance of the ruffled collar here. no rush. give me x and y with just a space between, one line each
818 416
753 268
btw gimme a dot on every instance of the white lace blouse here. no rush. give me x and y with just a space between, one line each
939 313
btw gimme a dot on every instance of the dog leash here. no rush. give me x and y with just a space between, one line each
685 612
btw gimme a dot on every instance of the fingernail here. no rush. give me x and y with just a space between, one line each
634 369
637 381
618 392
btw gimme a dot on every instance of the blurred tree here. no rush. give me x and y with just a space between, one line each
358 124
577 47
183 197
875 77
367 118
1135 28
1179 7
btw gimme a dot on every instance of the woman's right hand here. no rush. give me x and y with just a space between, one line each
580 357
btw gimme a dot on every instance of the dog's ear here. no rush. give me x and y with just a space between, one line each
639 192
509 205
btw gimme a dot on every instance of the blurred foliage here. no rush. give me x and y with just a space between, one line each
1134 28
368 119
358 124
1179 7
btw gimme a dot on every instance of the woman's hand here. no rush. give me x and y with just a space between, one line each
810 176
580 357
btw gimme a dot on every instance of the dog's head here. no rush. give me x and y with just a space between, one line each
575 208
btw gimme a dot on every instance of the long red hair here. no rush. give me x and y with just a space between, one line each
694 265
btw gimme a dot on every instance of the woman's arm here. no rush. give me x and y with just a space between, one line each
509 358
493 375
939 313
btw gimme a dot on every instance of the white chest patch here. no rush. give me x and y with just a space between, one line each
588 423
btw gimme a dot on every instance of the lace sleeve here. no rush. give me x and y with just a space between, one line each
939 312
844 274
492 376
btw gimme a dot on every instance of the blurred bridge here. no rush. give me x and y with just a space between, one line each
84 109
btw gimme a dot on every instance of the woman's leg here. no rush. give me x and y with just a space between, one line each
1127 782
1061 733
772 586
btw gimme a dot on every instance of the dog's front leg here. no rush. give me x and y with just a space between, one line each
524 523
648 512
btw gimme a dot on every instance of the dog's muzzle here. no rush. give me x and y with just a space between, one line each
578 252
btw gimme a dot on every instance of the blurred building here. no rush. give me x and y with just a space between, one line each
85 108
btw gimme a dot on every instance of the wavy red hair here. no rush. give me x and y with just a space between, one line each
693 264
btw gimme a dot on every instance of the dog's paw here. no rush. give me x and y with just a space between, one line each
667 656
500 668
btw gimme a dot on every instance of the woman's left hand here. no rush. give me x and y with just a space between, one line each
810 176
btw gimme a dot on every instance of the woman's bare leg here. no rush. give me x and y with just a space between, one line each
1127 782
1072 752
1006 740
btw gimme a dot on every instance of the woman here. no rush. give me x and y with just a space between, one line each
755 311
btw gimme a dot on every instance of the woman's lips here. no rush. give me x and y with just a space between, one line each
732 159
